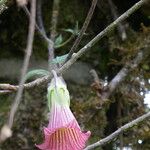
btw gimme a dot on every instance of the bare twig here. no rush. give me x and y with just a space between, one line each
39 16
8 87
84 27
65 42
87 47
120 27
41 30
5 91
25 63
54 21
119 131
114 83
7 128
95 76
43 35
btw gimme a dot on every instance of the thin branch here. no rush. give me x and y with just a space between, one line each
43 35
66 42
25 63
41 30
39 16
87 47
131 65
7 128
5 91
54 21
95 76
120 27
84 27
119 131
8 87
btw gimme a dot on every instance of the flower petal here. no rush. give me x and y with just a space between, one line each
67 138
60 116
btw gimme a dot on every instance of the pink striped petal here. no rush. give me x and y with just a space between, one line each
60 116
66 138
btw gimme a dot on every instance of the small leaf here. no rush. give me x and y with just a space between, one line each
59 59
73 31
36 73
69 30
58 40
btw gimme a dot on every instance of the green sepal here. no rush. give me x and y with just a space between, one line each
57 94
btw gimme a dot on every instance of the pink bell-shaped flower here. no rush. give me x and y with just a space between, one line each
63 131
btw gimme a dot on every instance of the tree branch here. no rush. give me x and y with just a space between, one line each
39 16
5 91
84 27
131 65
25 65
43 34
83 50
120 27
119 131
54 21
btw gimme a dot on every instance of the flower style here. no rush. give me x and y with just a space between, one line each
63 131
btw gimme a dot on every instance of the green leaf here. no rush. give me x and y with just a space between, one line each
69 30
36 73
73 31
58 40
59 59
